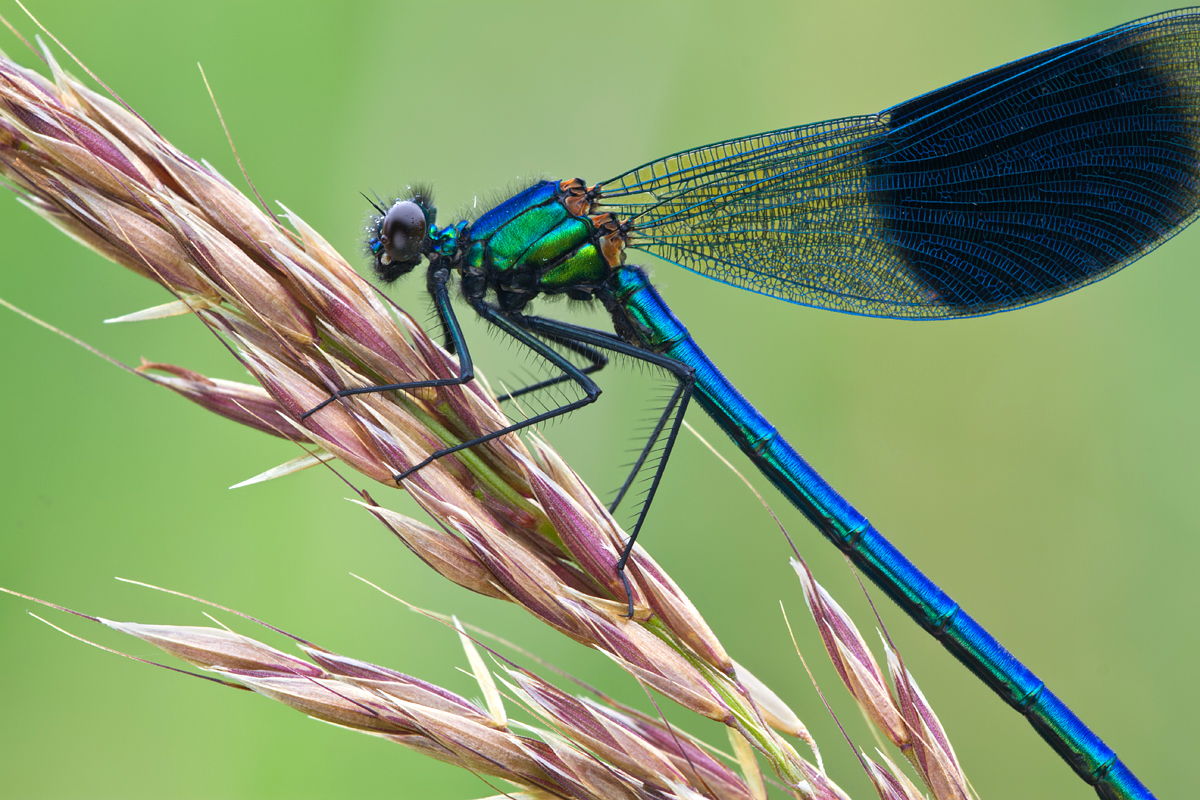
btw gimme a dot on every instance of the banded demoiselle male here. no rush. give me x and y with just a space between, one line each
1000 191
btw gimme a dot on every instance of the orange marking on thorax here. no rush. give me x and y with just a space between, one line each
576 198
611 238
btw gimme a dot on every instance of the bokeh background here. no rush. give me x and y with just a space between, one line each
1041 465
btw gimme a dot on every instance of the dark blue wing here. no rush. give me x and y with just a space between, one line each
1005 189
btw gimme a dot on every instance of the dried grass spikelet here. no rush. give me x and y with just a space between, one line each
511 524
904 717
589 751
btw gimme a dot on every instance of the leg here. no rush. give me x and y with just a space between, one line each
572 372
454 336
647 450
598 362
683 393
559 331
563 331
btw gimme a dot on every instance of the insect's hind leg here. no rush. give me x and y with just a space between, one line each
648 448
677 405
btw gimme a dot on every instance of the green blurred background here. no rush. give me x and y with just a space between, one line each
1040 465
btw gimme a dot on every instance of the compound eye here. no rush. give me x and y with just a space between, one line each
403 232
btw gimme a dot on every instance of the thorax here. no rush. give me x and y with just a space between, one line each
544 240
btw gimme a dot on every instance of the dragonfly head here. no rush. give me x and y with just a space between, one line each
399 236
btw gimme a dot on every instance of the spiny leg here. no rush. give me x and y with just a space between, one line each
598 362
681 396
651 441
454 335
684 374
508 324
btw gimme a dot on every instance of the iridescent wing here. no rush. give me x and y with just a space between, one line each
1005 189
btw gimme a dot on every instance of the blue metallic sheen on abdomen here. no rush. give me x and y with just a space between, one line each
850 531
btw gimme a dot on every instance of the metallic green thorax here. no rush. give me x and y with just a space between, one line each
542 241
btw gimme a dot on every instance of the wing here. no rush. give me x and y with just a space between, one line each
1005 189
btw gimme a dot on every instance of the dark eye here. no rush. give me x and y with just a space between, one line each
403 232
